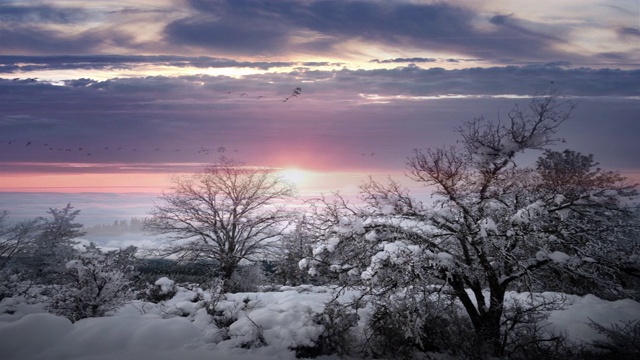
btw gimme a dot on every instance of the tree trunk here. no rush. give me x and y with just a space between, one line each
226 272
486 322
489 332
490 321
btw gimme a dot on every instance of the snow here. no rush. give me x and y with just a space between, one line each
556 256
527 214
153 331
283 319
348 226
332 243
387 209
371 236
559 257
574 321
487 226
166 285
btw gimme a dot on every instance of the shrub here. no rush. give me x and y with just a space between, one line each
95 284
163 289
623 340
246 278
336 338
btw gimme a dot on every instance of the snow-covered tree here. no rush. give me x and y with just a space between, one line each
15 238
54 244
95 283
15 241
37 249
226 213
295 246
493 224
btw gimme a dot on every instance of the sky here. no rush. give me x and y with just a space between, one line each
114 96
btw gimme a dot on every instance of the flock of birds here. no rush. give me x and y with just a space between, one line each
90 151
295 93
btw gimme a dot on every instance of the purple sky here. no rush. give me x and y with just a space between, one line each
100 93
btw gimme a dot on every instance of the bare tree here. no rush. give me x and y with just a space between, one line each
226 213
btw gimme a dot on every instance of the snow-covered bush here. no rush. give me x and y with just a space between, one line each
246 278
524 328
295 246
95 284
623 340
409 322
337 338
163 289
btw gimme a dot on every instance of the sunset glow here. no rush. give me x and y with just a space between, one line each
115 96
295 176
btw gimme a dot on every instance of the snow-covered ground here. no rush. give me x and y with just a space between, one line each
265 325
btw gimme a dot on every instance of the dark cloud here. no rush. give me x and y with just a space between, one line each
230 35
518 80
35 39
628 33
420 60
11 64
266 28
289 27
41 14
27 29
404 60
49 29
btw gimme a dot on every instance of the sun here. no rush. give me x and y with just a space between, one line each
295 176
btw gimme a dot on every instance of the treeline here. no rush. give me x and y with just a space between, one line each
132 225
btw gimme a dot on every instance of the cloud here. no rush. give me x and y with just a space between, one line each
628 33
291 28
42 14
268 28
404 60
22 63
32 39
227 35
61 29
419 60
339 116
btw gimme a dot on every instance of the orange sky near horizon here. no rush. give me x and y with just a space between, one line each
308 182
78 183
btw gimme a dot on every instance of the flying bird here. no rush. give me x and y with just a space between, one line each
297 91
